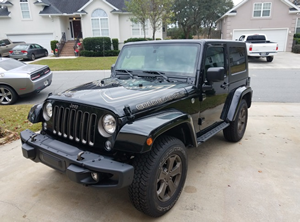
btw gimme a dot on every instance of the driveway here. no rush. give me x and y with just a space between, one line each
257 179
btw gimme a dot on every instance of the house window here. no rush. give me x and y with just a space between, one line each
100 23
137 29
298 26
25 9
262 10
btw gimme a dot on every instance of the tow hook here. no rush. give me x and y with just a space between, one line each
33 138
79 156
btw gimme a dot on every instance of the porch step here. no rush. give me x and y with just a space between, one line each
212 130
68 50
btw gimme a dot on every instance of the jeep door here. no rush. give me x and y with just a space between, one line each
214 92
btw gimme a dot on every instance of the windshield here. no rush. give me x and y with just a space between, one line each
20 47
9 64
177 59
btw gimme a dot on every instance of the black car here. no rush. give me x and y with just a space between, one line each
133 128
28 51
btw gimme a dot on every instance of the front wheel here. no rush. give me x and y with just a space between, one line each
235 131
159 177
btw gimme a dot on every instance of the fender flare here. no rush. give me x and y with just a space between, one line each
133 137
237 97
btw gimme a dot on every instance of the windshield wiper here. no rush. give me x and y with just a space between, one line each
126 71
159 73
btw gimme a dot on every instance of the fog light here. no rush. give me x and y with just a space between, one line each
95 176
108 145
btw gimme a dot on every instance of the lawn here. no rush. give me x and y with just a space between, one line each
13 120
80 63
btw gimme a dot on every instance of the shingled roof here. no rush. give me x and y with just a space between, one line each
60 7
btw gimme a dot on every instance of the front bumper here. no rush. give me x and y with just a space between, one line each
64 157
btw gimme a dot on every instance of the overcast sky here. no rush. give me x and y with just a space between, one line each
235 2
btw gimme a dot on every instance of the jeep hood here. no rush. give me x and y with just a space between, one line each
114 94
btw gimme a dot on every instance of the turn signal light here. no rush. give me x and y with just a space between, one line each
250 48
276 47
149 141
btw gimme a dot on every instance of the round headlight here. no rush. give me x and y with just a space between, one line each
109 123
47 111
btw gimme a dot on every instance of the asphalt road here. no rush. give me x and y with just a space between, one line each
269 85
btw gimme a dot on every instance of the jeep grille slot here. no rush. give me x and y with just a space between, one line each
75 124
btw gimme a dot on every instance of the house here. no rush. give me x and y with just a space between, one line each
41 21
278 19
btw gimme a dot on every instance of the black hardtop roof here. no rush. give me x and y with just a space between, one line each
199 41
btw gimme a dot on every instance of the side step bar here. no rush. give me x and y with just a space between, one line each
211 132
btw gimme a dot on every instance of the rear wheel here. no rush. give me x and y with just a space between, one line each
46 54
32 57
159 177
270 58
8 96
235 131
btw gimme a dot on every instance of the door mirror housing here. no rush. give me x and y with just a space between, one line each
112 68
215 74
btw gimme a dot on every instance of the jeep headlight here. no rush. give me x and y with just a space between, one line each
47 111
109 123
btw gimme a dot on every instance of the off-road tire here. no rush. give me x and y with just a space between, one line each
270 58
159 176
8 96
235 131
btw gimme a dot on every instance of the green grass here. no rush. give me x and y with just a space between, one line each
80 63
13 120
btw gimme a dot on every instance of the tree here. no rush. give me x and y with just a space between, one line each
197 14
139 9
157 11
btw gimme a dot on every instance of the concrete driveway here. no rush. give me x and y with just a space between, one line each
257 179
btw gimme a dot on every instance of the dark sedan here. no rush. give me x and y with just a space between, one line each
28 51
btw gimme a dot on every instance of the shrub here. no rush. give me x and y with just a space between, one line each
97 44
158 39
297 41
296 49
53 44
136 39
115 43
87 53
297 35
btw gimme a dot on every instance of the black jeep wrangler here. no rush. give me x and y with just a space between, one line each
133 128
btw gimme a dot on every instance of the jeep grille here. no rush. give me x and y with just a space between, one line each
75 124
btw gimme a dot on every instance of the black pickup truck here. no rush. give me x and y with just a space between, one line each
133 128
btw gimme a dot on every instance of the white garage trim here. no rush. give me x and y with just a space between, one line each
279 35
42 39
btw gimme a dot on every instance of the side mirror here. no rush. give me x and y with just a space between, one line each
215 74
112 68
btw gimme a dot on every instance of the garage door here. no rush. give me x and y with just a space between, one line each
274 35
41 39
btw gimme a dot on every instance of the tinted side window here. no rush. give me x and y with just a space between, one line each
237 59
6 41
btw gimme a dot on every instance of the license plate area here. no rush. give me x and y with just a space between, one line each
52 161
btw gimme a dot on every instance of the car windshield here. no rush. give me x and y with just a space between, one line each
9 64
169 58
20 47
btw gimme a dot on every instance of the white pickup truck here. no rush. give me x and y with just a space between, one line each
6 45
259 46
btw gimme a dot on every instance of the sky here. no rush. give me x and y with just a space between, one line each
235 2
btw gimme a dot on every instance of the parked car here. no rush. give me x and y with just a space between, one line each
133 128
6 45
28 51
258 46
18 79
